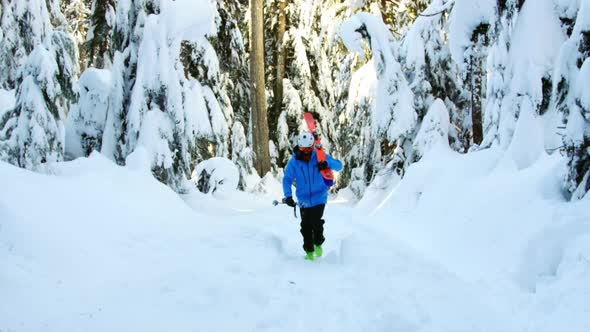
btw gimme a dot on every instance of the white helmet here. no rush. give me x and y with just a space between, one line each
305 140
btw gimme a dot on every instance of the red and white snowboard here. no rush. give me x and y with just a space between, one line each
327 173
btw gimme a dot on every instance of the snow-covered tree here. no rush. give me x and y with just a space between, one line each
497 67
229 82
166 125
532 56
401 14
201 63
577 139
470 23
229 44
317 70
167 95
33 133
86 121
427 63
24 24
100 28
575 103
393 118
76 13
120 129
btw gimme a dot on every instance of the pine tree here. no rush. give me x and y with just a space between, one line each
431 72
32 134
76 13
401 14
470 49
24 27
85 123
233 85
315 77
202 64
99 32
121 131
388 137
576 77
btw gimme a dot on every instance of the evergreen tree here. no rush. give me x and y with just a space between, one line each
85 123
121 131
202 64
24 24
32 134
233 85
99 32
431 72
577 112
76 13
393 120
400 15
470 49
497 67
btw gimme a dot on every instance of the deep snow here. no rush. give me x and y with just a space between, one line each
463 243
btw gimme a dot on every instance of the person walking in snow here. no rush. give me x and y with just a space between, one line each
312 192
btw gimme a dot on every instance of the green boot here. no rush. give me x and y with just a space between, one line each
309 256
318 251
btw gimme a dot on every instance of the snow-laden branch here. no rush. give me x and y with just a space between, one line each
446 6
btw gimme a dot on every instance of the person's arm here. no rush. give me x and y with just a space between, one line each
288 179
334 164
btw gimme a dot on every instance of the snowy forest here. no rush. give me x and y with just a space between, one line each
463 127
170 81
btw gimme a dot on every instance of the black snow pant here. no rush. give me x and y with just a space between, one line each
312 226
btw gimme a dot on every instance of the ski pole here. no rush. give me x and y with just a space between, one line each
275 203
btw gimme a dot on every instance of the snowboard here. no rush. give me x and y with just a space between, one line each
327 173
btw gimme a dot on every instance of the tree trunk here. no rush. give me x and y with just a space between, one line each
259 112
281 55
477 62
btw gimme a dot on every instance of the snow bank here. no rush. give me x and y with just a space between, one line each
507 228
474 201
109 249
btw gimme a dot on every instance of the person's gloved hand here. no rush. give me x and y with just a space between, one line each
322 165
289 201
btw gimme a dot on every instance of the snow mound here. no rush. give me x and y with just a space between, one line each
434 129
216 175
448 202
527 144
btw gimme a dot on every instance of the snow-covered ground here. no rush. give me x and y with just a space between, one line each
463 243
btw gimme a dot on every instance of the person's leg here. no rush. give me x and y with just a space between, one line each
307 229
318 225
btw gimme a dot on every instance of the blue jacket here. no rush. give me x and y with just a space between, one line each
311 190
